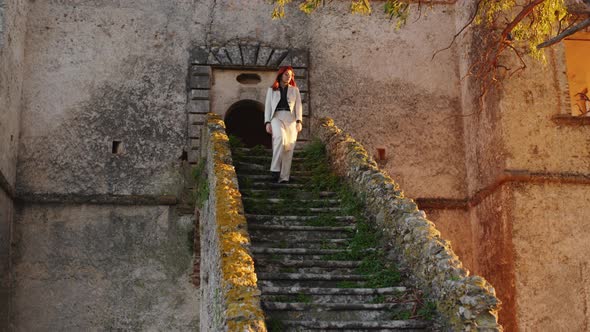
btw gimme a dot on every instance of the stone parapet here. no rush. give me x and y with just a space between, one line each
229 292
465 303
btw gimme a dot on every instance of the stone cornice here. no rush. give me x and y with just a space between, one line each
46 198
508 176
6 186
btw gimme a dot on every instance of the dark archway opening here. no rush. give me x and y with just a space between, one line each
245 120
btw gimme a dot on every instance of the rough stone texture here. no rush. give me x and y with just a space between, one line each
99 71
89 267
362 77
552 256
228 281
466 302
13 15
454 226
6 217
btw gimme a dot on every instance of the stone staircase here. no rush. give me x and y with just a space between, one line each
312 272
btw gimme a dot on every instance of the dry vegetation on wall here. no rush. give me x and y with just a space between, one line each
520 27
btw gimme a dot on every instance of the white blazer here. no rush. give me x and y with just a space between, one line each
293 99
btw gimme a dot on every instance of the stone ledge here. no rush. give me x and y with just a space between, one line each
570 120
228 281
6 186
98 199
466 303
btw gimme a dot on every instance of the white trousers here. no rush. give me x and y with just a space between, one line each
284 135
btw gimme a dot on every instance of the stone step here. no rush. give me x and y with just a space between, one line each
294 174
268 158
304 276
319 217
298 148
294 306
334 295
283 280
267 217
307 202
294 212
276 234
359 325
262 193
301 243
311 270
268 177
256 165
296 251
333 291
260 185
335 311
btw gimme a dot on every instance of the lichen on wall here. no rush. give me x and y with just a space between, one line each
228 279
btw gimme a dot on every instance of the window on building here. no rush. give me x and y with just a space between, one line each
577 57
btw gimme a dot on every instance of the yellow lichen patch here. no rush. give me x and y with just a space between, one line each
239 281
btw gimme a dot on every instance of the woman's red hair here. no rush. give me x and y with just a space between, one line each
282 70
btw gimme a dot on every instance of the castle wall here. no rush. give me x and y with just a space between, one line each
382 87
104 71
550 211
12 41
551 230
103 267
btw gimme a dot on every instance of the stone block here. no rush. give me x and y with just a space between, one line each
220 54
200 82
195 143
305 107
201 70
199 106
304 97
195 118
194 131
277 57
263 56
193 156
199 94
212 59
302 84
300 74
296 58
234 53
200 55
249 54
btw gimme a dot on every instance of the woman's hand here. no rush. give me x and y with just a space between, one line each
299 126
269 128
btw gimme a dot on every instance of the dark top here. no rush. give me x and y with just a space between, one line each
283 105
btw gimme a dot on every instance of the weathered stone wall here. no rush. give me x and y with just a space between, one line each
13 15
465 302
548 211
409 102
550 236
103 267
228 281
522 138
100 71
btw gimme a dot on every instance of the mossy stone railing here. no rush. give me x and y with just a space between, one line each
230 298
465 303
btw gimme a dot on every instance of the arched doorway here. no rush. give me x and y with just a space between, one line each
245 119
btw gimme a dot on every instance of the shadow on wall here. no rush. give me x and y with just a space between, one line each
245 119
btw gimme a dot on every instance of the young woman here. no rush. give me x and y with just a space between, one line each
283 120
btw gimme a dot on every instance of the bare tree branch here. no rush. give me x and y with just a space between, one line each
565 33
471 19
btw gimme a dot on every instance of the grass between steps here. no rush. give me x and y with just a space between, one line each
364 244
